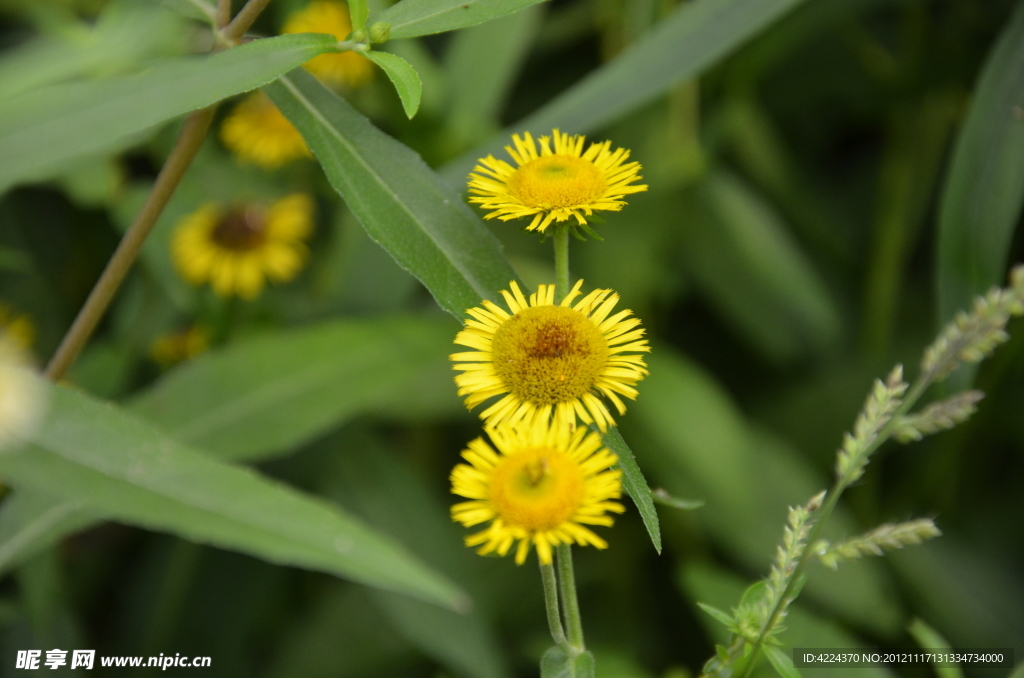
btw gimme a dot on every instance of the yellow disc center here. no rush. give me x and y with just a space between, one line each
549 354
241 229
554 181
536 489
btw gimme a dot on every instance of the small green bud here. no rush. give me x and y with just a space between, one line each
359 36
380 32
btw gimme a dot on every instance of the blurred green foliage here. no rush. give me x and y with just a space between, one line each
825 176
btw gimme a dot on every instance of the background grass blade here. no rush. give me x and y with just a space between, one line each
91 452
33 521
44 130
981 201
401 203
411 18
269 394
635 485
692 39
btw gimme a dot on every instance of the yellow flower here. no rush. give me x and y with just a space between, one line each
18 328
540 487
22 396
557 183
236 249
258 133
549 359
177 347
340 68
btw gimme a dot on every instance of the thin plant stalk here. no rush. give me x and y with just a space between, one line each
571 605
190 138
561 238
547 575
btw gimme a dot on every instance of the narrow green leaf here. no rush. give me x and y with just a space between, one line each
92 452
662 496
357 11
930 639
31 522
403 76
267 394
981 201
635 484
43 130
410 18
557 664
685 44
402 204
723 617
782 662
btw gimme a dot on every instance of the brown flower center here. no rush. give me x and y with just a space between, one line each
241 229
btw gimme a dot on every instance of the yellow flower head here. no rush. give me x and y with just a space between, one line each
337 69
548 359
176 347
22 397
17 328
561 181
256 132
541 486
238 248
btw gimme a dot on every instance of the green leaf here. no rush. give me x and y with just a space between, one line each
723 617
44 130
930 639
634 483
270 393
662 496
685 44
411 18
555 663
402 204
981 201
403 76
782 662
357 11
31 522
92 452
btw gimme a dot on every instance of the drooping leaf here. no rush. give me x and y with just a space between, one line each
929 639
410 18
93 453
984 190
43 130
635 485
403 76
401 203
781 661
270 393
684 44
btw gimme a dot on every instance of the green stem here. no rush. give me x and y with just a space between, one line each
567 584
547 575
915 392
189 139
561 238
244 19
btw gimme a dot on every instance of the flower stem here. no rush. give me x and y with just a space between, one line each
547 575
189 139
567 583
244 19
561 238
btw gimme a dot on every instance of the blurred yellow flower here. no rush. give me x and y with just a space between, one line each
256 132
560 182
339 69
549 359
176 347
540 487
18 328
236 249
22 396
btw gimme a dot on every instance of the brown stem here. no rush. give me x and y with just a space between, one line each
223 13
197 123
244 19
